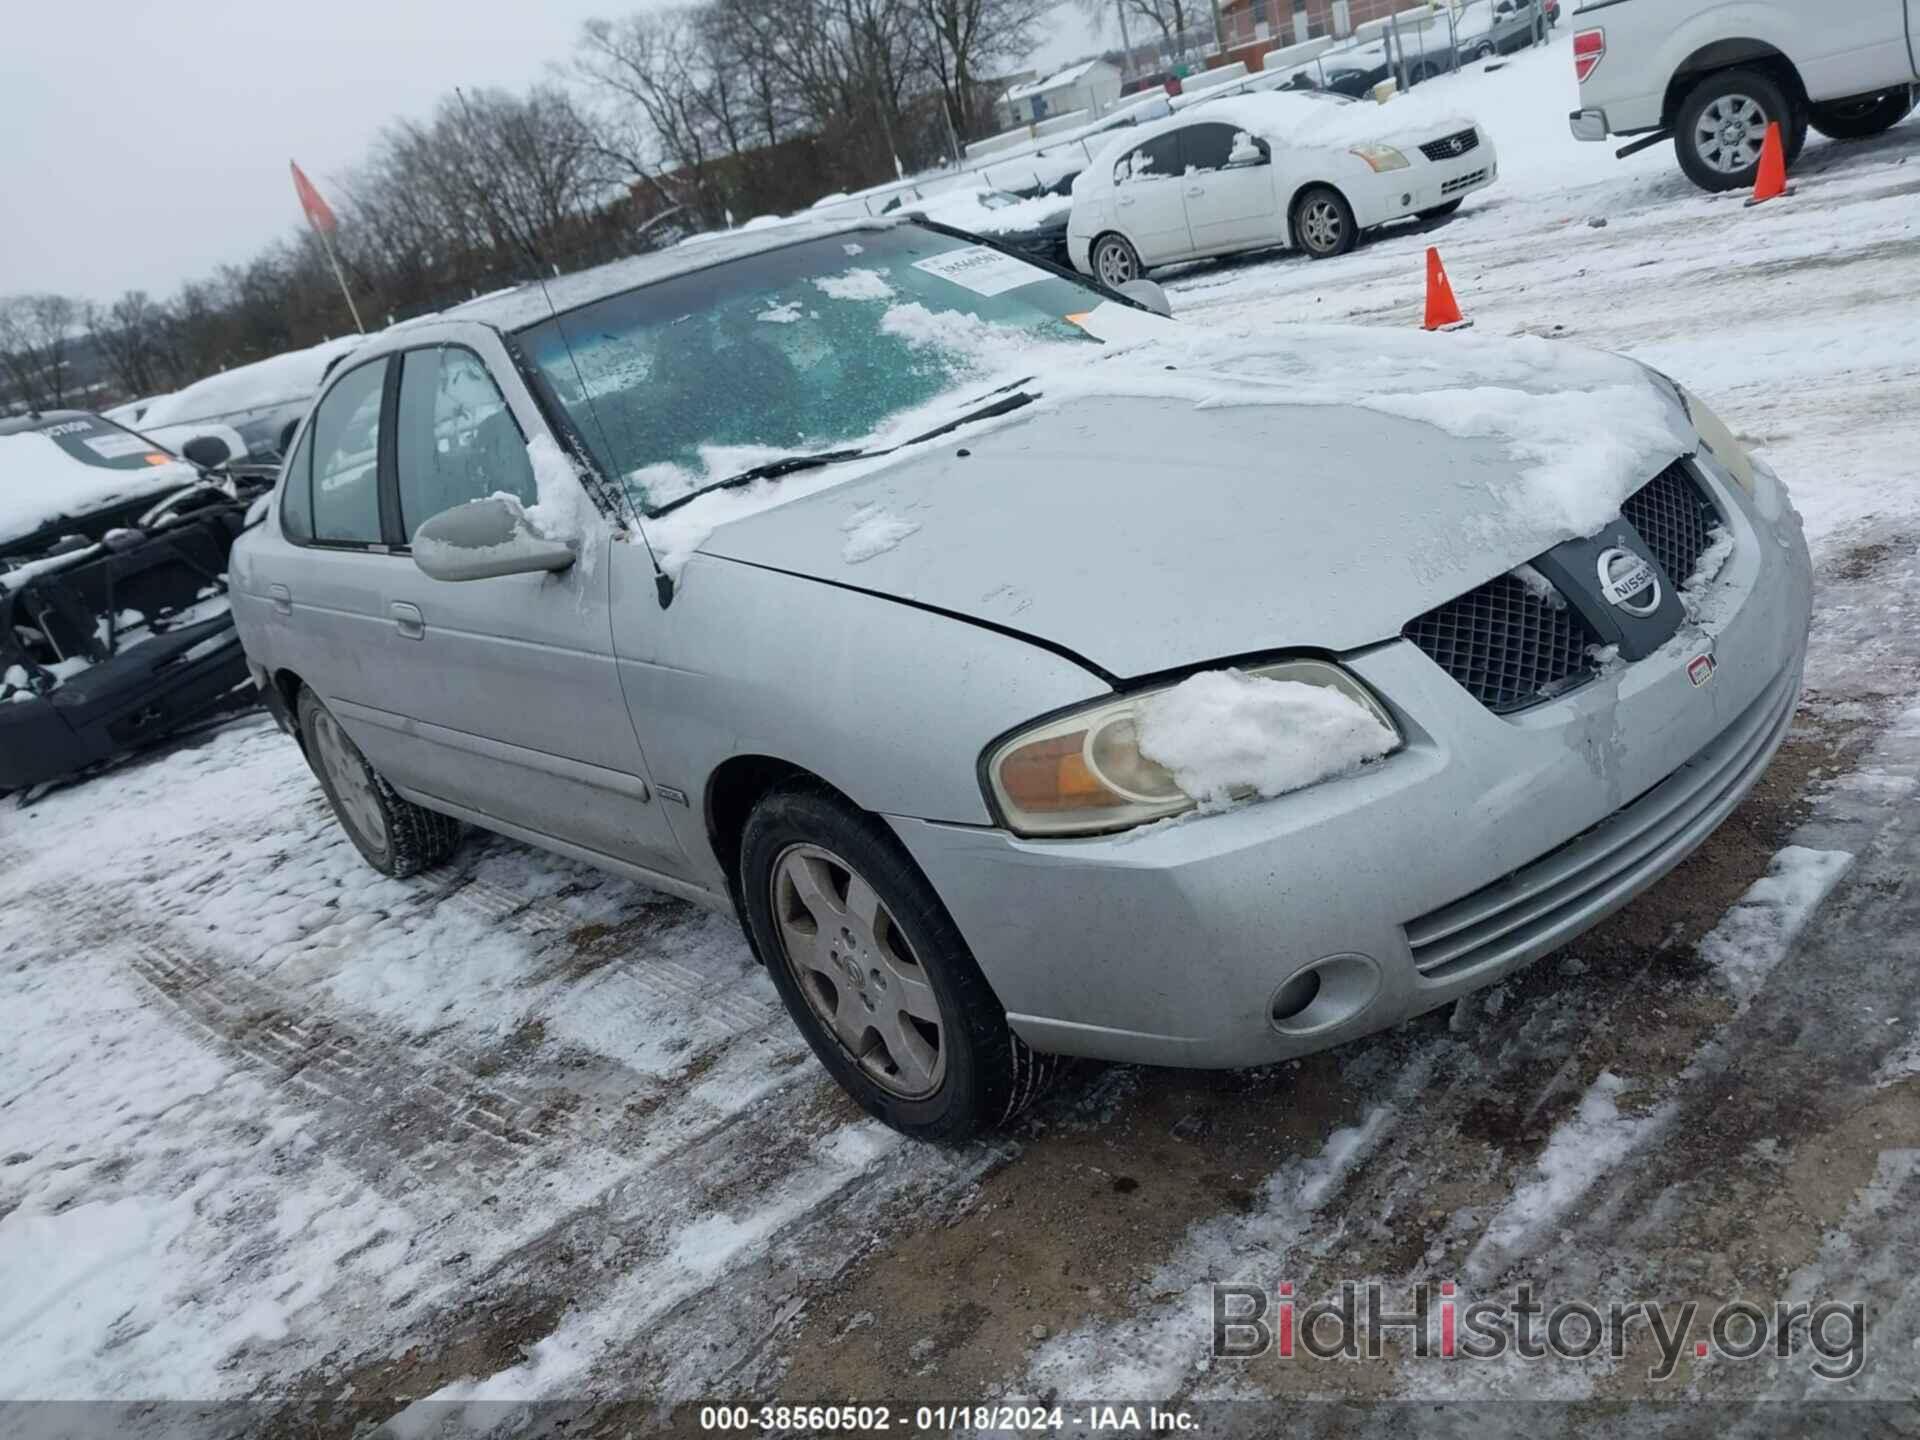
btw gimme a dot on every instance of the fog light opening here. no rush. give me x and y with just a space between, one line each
1324 995
1291 1000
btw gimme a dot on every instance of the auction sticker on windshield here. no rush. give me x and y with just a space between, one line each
112 447
982 269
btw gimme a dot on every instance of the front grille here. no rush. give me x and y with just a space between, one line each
1461 182
1675 518
1450 146
1510 646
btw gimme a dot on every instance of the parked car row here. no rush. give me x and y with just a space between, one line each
700 568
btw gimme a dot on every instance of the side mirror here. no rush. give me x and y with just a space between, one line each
1147 293
484 538
209 452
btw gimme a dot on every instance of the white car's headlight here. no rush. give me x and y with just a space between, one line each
1381 157
1718 439
1083 773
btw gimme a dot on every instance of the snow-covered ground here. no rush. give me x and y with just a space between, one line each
273 1128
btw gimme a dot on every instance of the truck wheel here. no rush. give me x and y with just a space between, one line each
875 973
394 836
1858 118
1723 123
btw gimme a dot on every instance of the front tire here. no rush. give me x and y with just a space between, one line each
1323 223
1115 261
393 835
1858 119
1723 123
875 973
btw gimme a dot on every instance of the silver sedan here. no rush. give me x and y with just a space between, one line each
1033 675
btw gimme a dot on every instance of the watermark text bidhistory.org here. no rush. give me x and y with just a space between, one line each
1360 1320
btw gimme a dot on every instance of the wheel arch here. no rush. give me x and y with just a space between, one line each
733 789
285 687
1741 51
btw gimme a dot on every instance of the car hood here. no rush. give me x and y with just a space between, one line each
1252 509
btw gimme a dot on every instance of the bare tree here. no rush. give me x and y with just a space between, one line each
35 332
964 40
128 335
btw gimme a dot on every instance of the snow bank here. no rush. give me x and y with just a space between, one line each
1224 733
41 483
873 530
1756 934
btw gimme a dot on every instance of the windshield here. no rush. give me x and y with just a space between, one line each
856 340
104 445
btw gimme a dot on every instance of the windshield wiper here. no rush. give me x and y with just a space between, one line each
788 464
772 469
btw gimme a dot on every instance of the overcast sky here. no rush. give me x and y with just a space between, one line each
143 144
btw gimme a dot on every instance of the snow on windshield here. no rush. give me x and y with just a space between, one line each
41 483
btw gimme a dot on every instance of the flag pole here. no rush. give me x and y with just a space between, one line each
346 294
320 217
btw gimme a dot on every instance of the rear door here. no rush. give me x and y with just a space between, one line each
1228 189
1147 201
503 691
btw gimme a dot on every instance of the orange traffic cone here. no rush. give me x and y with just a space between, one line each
1771 179
1443 311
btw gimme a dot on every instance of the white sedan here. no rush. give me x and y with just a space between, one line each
1305 169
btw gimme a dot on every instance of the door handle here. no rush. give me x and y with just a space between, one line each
408 620
282 599
1126 199
1194 192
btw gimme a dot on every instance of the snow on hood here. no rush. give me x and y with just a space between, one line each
968 210
1251 487
276 381
41 483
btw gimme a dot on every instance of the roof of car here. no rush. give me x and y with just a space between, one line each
533 302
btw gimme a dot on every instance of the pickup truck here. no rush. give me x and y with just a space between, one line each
1712 74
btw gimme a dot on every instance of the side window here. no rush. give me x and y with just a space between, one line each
457 440
1157 159
1206 147
346 456
296 494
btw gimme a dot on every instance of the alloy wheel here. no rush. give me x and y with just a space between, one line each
1115 263
858 972
1320 223
352 782
1729 133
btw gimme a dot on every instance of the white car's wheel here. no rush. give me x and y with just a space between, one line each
1115 261
1323 223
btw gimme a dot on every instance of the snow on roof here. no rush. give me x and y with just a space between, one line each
1072 75
1308 118
41 483
276 381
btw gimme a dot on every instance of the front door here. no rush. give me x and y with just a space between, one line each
505 689
1228 189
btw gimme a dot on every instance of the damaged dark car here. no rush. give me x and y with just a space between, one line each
114 625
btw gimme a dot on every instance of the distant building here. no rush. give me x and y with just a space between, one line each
1288 22
1092 86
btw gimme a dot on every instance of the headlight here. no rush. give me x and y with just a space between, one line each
1380 157
1083 773
1718 439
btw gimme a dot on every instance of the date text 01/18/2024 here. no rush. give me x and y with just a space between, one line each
941 1419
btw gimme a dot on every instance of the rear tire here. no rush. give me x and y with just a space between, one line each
1858 119
875 973
393 835
1722 123
1323 223
1115 261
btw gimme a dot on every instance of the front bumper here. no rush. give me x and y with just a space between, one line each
1425 185
1482 845
1588 124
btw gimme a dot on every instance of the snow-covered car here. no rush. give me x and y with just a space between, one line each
1301 169
1032 674
253 408
1713 76
114 624
1499 27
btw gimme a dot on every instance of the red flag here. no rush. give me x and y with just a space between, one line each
319 214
